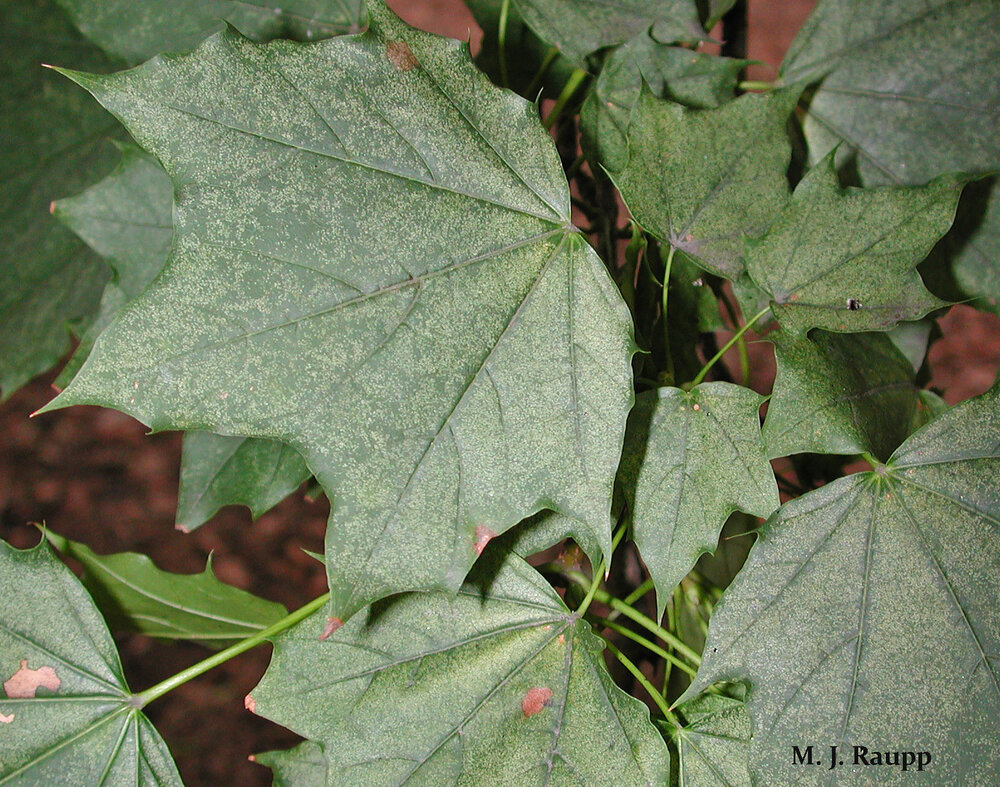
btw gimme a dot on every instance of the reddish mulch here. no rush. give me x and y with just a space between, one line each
94 475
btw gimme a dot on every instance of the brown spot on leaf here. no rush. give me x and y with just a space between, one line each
6 719
483 536
562 639
332 624
250 703
400 56
535 699
52 207
23 684
696 407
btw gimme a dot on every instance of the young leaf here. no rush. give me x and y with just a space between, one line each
691 78
373 261
127 219
499 684
690 460
839 394
53 143
66 714
579 27
844 580
845 260
302 766
170 26
714 743
701 179
134 595
219 471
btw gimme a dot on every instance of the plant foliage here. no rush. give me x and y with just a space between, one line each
340 248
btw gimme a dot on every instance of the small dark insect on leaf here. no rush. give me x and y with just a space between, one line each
853 304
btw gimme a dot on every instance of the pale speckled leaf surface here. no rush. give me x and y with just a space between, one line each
410 223
134 595
136 31
866 613
579 27
218 470
845 260
690 460
500 684
301 766
839 394
713 743
701 179
65 711
910 90
127 218
53 143
694 79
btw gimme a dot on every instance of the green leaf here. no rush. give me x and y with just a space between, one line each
972 248
702 179
134 595
219 471
137 32
690 460
302 766
839 394
912 88
579 27
499 684
847 583
127 219
714 743
66 714
53 143
389 282
845 260
691 78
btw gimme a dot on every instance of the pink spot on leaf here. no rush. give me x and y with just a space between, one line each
25 682
483 536
535 699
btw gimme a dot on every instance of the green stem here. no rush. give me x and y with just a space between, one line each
543 69
649 645
502 42
644 682
725 348
595 581
568 91
635 615
663 311
182 677
638 593
755 85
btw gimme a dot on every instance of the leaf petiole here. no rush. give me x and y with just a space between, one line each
182 677
725 348
595 581
633 614
502 42
644 682
568 91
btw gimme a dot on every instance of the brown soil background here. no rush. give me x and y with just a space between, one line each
94 475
